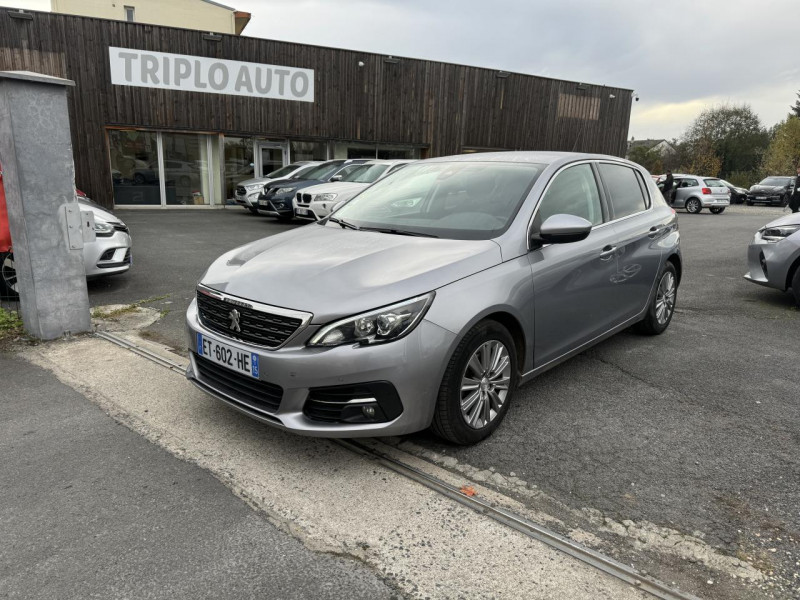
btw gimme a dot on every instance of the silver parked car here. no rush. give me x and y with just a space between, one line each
694 193
431 296
247 191
773 256
109 254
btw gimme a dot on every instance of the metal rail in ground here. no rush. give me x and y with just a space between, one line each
517 522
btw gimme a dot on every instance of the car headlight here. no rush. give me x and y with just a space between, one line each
325 197
284 190
253 186
377 326
102 228
778 233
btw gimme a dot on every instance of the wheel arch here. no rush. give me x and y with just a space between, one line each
791 271
514 327
675 259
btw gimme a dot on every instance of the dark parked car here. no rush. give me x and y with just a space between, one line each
276 199
738 194
773 190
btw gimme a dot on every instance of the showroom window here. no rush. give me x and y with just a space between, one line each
381 151
309 151
239 165
164 168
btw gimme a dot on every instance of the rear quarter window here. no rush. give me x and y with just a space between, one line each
624 189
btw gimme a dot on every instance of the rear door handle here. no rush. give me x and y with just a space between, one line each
655 230
608 252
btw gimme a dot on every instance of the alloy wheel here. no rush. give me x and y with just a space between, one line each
693 206
485 384
9 273
665 298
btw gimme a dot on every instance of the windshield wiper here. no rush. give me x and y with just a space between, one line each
343 224
398 231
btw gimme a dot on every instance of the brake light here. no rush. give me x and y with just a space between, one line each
706 191
80 193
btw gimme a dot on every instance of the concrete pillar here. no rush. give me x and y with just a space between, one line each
39 179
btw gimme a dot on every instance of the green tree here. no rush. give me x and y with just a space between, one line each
650 159
796 108
703 159
783 153
736 135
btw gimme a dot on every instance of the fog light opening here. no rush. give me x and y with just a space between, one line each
369 411
763 262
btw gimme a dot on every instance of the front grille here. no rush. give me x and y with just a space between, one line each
121 227
240 190
257 327
307 198
254 392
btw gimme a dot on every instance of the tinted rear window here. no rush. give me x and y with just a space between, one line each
715 183
623 188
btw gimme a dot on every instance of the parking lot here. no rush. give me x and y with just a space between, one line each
695 430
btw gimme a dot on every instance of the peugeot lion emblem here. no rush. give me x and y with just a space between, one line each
234 317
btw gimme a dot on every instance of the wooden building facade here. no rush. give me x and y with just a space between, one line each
363 104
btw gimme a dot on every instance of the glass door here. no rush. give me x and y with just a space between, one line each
271 157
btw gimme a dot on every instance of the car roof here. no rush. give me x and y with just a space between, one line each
388 161
528 156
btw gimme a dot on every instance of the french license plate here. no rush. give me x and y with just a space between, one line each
761 197
302 211
227 356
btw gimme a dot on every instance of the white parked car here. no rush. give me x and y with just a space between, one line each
247 191
316 202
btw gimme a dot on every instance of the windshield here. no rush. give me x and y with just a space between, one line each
455 200
282 172
776 181
365 173
324 171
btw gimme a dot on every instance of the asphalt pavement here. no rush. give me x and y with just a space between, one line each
90 509
694 430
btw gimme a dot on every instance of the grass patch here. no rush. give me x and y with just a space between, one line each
124 310
10 325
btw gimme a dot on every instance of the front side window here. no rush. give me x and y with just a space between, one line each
454 200
573 192
624 190
365 174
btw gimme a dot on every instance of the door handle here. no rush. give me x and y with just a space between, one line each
608 252
655 231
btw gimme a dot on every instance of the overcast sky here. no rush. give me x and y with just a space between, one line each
680 56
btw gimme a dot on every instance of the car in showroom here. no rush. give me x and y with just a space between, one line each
428 298
773 257
317 201
247 191
694 193
109 254
774 190
277 198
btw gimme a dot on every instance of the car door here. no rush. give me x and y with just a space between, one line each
689 186
572 283
638 235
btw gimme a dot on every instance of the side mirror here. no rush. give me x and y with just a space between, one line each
336 178
562 229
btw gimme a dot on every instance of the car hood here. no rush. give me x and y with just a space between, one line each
790 219
100 213
767 188
333 272
335 187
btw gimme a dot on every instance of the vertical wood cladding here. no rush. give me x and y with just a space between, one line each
445 107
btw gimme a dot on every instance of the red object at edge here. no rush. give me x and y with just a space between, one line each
5 233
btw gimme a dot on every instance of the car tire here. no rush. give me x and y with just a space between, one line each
9 288
450 419
796 285
655 321
717 210
784 200
693 206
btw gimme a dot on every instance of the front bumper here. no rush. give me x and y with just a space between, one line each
413 365
774 199
108 255
248 199
306 212
276 206
768 262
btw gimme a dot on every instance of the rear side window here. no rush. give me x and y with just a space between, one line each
715 183
623 188
573 192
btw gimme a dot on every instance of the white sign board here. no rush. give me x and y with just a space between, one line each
161 70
